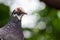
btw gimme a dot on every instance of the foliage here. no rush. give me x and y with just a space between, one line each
4 14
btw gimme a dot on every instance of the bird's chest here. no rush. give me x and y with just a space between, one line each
13 34
12 31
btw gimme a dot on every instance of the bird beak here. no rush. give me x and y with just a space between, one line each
25 13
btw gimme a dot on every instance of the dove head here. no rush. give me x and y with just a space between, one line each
18 12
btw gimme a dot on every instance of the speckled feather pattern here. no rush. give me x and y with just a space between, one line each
12 30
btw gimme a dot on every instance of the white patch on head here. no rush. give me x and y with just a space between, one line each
19 17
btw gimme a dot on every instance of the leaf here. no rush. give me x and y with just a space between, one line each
4 14
56 24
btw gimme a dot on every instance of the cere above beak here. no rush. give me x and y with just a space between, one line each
19 11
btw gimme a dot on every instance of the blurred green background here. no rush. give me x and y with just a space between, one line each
49 15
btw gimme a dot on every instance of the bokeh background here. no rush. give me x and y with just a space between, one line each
41 23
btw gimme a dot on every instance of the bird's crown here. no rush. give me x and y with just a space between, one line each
18 11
